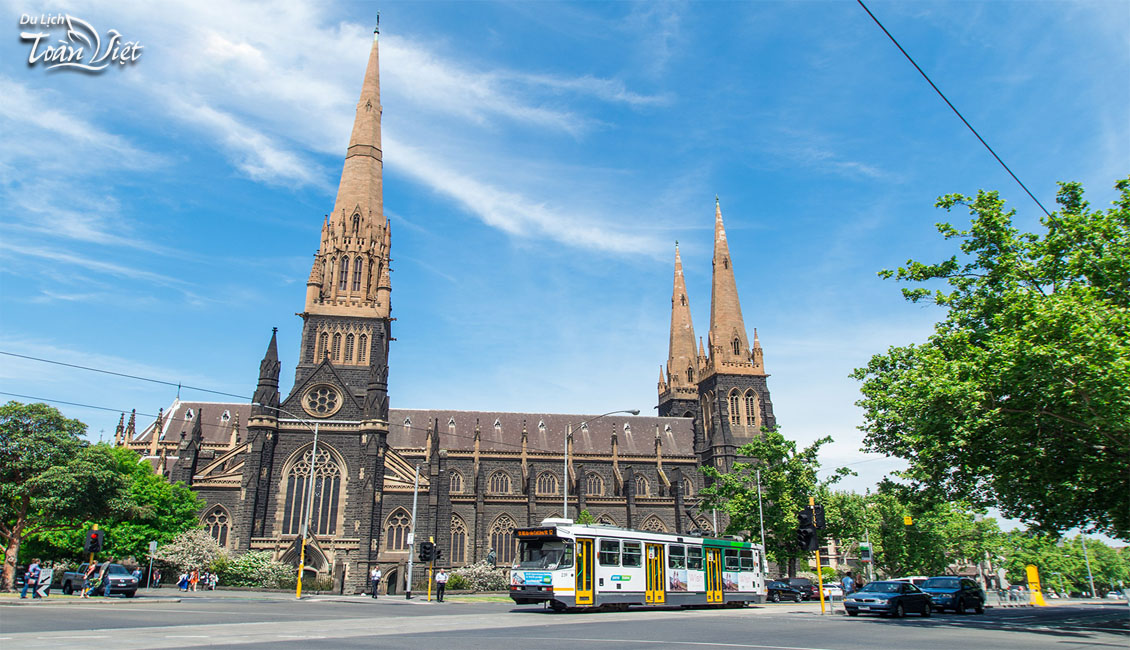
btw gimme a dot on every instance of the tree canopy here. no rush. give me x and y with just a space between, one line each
49 476
1019 398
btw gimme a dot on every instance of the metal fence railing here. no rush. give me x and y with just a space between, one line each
1009 598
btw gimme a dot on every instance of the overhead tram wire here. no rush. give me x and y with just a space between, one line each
225 426
122 374
953 108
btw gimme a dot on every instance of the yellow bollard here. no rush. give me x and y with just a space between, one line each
1034 586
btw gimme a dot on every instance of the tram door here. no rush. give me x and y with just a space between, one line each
655 573
583 594
713 575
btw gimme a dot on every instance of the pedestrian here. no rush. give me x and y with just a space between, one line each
375 580
137 575
156 578
848 583
213 580
31 579
89 579
194 578
182 581
441 585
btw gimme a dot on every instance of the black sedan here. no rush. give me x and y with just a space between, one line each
779 591
953 592
888 598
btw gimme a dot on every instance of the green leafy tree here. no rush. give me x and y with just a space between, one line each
151 509
788 479
1018 399
49 476
584 518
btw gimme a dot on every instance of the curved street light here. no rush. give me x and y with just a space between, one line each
313 426
565 474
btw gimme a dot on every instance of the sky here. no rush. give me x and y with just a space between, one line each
158 218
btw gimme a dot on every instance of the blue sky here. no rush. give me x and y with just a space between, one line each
541 161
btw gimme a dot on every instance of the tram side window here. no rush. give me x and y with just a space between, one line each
567 559
732 563
676 557
746 558
633 556
609 552
694 558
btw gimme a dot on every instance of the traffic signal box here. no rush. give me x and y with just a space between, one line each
93 543
427 551
809 520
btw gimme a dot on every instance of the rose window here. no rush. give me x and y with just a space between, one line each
322 401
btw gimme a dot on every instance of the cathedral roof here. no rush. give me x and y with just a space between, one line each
216 425
634 434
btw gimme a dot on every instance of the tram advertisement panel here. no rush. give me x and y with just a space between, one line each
531 578
676 580
696 581
730 580
745 581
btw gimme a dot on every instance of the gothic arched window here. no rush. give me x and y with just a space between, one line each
547 483
737 344
362 349
456 485
500 483
594 485
751 411
356 222
323 347
735 408
641 486
349 348
690 374
357 274
217 523
688 488
606 520
458 540
654 524
328 474
502 539
397 527
343 276
336 351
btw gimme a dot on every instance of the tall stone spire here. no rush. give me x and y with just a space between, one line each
729 345
682 362
350 271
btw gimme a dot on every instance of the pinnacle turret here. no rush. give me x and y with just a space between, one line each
266 400
682 362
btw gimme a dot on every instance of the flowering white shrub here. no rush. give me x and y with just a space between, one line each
482 577
255 569
192 549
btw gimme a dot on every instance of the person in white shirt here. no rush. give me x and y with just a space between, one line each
441 585
375 580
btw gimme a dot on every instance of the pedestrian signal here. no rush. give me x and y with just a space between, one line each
818 517
804 518
807 539
93 542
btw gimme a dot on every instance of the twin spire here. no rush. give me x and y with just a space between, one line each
728 350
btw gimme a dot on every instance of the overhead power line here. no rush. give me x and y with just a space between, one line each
952 107
122 374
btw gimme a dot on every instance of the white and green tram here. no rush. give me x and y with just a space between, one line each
579 566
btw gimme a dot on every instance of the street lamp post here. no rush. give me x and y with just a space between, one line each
565 474
309 486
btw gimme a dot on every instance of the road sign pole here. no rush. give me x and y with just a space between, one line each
149 578
431 565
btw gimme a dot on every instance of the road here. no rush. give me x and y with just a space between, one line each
255 621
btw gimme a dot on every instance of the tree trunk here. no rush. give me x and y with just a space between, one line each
12 553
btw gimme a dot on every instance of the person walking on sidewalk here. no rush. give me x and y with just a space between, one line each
441 585
375 580
31 580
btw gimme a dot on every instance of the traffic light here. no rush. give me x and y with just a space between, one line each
818 517
807 539
93 543
437 554
804 518
427 551
864 552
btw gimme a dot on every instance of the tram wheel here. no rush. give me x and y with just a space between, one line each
557 606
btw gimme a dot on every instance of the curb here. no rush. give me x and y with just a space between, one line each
82 602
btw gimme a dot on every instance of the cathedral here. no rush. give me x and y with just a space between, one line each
334 454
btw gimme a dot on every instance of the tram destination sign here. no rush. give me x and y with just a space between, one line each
528 533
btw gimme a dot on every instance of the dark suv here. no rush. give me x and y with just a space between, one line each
779 590
958 594
807 587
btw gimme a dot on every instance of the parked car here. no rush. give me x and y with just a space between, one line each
779 591
832 589
1115 595
806 586
958 594
118 581
888 598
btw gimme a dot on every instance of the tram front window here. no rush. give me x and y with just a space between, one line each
544 555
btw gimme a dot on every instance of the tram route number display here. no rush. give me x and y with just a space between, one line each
528 533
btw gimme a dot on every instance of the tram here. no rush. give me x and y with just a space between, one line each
587 566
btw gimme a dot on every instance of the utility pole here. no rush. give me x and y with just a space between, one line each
1087 559
565 474
871 551
412 533
761 519
819 573
431 565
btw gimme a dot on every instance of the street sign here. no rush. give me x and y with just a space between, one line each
907 521
45 577
152 548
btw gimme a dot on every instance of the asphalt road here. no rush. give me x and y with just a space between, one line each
270 622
